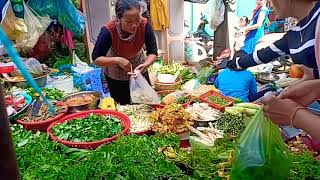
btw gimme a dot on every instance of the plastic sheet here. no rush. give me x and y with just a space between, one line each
63 11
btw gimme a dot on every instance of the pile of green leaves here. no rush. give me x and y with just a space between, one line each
186 75
304 166
134 157
183 100
204 74
218 100
89 129
51 93
129 157
212 163
231 123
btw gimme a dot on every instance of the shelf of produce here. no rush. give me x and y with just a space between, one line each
124 119
229 101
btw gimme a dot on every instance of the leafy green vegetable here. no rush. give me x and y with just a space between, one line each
51 93
133 157
304 166
204 74
186 75
183 100
231 124
92 128
218 100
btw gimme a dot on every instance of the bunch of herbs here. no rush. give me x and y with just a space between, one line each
89 129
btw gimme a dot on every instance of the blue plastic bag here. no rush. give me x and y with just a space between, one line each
63 11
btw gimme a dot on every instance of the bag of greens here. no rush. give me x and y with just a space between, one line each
261 152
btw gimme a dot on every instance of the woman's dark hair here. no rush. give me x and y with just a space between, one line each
246 19
124 5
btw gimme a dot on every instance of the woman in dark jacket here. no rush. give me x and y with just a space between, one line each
119 48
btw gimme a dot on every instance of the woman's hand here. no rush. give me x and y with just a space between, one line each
124 64
142 68
304 93
280 111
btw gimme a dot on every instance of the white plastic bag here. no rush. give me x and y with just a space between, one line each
33 27
217 14
142 92
33 66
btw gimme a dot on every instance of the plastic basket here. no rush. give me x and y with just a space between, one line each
204 98
42 125
125 121
159 106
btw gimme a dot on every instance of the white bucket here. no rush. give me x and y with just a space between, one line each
63 83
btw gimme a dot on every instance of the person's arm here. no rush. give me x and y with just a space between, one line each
151 45
309 122
101 48
262 56
151 48
261 18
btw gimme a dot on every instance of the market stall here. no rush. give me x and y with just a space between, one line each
65 125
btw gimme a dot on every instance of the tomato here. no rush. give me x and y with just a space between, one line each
295 72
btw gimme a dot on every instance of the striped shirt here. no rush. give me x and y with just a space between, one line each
299 43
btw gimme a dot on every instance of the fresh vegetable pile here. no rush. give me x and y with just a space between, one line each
177 97
205 136
51 93
218 100
90 129
43 113
171 119
185 73
203 112
139 116
231 124
135 157
204 74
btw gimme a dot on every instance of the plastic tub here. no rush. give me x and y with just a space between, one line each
125 121
63 83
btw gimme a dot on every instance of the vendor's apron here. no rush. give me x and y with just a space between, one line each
117 73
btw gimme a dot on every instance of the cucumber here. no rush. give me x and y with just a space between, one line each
248 105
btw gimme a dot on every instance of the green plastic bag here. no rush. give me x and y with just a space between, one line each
261 152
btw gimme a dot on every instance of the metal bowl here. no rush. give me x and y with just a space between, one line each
90 106
41 81
267 77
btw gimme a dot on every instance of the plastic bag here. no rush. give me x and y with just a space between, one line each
62 11
30 29
142 92
217 14
33 66
261 152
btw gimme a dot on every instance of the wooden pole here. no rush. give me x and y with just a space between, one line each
8 160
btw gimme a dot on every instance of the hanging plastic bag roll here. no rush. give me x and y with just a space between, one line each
142 92
261 152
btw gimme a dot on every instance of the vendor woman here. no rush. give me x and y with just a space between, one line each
119 48
298 43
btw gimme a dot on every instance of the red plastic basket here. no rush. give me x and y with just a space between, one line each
204 98
160 106
42 125
124 119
